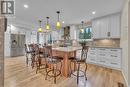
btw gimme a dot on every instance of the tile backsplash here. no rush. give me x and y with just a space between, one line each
107 42
98 43
101 43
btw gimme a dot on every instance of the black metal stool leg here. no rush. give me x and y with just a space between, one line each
78 73
27 58
55 76
70 69
61 68
46 74
85 71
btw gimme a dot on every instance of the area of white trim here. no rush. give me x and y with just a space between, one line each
125 79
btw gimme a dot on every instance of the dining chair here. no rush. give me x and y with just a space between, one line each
80 59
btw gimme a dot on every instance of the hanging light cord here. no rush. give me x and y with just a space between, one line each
40 23
47 20
58 12
82 23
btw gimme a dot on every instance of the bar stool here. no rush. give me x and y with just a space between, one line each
53 71
81 56
33 54
40 55
27 53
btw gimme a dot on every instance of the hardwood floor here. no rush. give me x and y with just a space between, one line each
18 74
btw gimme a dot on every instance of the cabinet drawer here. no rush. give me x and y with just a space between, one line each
115 64
115 60
102 55
91 53
103 50
115 51
92 49
92 60
115 56
103 60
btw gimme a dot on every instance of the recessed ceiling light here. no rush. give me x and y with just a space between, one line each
93 12
63 22
26 6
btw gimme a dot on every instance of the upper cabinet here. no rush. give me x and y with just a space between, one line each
73 32
115 26
106 27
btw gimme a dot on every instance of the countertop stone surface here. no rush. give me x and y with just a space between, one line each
66 49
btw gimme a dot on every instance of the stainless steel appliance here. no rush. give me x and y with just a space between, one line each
17 45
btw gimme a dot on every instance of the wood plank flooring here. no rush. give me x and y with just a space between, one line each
18 74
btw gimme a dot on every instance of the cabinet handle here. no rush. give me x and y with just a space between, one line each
102 49
102 54
113 56
114 63
113 50
102 61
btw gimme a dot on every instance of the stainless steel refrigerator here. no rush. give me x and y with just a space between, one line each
17 45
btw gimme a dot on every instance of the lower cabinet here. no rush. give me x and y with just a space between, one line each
106 57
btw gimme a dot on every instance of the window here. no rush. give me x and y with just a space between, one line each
86 33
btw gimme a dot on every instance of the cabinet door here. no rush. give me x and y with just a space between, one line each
95 29
72 32
115 26
104 27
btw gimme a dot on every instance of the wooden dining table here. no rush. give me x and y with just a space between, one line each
65 52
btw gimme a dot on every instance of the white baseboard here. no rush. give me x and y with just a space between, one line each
125 79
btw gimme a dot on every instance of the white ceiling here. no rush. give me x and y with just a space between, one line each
72 11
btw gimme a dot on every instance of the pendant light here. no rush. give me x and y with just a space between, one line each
47 24
40 29
82 27
58 24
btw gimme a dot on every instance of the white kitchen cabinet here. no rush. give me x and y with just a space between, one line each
106 27
106 57
96 29
73 32
115 26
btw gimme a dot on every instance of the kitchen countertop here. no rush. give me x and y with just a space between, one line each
66 49
105 47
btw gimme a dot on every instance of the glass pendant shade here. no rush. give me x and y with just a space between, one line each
58 24
47 27
39 29
47 24
82 29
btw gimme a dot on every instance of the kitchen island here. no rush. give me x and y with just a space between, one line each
65 52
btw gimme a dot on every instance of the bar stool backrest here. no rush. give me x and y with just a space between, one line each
81 54
48 50
27 48
31 48
36 48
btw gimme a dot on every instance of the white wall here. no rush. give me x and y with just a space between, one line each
14 29
124 40
129 44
